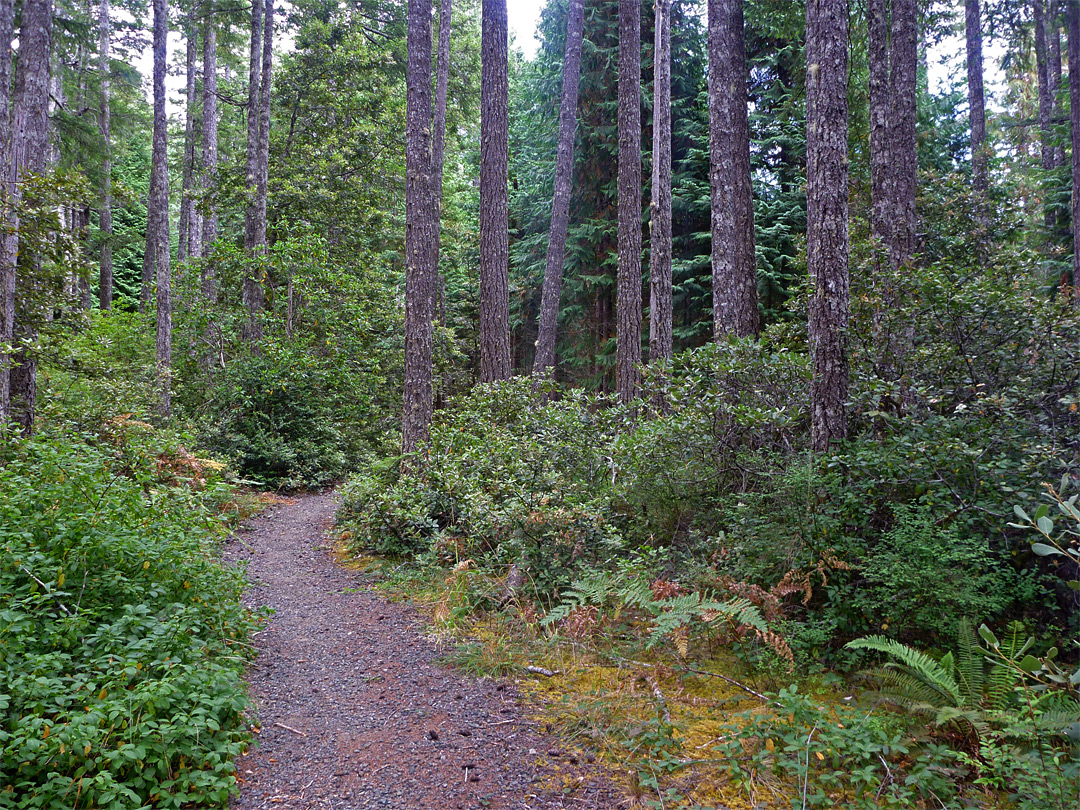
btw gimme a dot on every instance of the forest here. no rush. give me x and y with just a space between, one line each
706 373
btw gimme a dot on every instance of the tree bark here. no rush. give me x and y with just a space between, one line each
252 289
734 266
560 201
30 148
160 170
255 237
421 231
1073 11
105 282
893 63
8 219
189 229
827 213
442 83
660 338
209 152
1054 40
1046 111
494 195
628 294
980 181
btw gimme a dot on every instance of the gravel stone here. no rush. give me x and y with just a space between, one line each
353 710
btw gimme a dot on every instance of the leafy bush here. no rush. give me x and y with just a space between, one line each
833 756
122 637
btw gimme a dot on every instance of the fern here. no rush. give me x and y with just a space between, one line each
679 611
970 665
601 589
927 683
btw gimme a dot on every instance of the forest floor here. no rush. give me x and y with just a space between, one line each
354 709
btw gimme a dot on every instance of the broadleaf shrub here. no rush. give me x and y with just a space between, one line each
122 637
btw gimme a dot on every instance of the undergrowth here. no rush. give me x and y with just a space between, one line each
122 637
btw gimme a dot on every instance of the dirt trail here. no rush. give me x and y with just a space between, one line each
354 711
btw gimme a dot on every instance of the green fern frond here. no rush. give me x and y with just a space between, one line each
916 664
909 692
970 669
679 611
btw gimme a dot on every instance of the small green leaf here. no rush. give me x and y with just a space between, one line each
987 636
1045 524
1044 550
1020 513
1030 664
1041 512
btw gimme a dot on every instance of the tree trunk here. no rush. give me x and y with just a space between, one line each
1073 11
252 290
209 152
159 170
734 266
8 219
976 98
1046 111
1053 35
560 201
893 62
628 301
255 236
30 147
827 213
438 150
494 195
660 339
105 283
421 231
189 230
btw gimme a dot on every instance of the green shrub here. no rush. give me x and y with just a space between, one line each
122 638
838 756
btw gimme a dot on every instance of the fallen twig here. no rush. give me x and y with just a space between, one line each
290 728
542 671
733 682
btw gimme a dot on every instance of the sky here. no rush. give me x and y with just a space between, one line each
522 17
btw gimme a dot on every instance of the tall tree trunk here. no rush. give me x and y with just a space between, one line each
8 219
1046 111
976 98
660 339
255 236
734 266
1053 35
1073 11
189 229
903 62
442 83
252 290
262 159
160 171
827 213
560 201
893 61
421 230
628 300
105 283
30 147
494 195
209 152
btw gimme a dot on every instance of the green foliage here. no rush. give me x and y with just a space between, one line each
824 753
122 638
303 405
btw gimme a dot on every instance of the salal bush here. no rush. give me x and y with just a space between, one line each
122 637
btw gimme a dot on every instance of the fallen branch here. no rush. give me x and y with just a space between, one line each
48 590
542 671
290 728
733 682
655 687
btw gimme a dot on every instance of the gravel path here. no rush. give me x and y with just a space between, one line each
355 713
